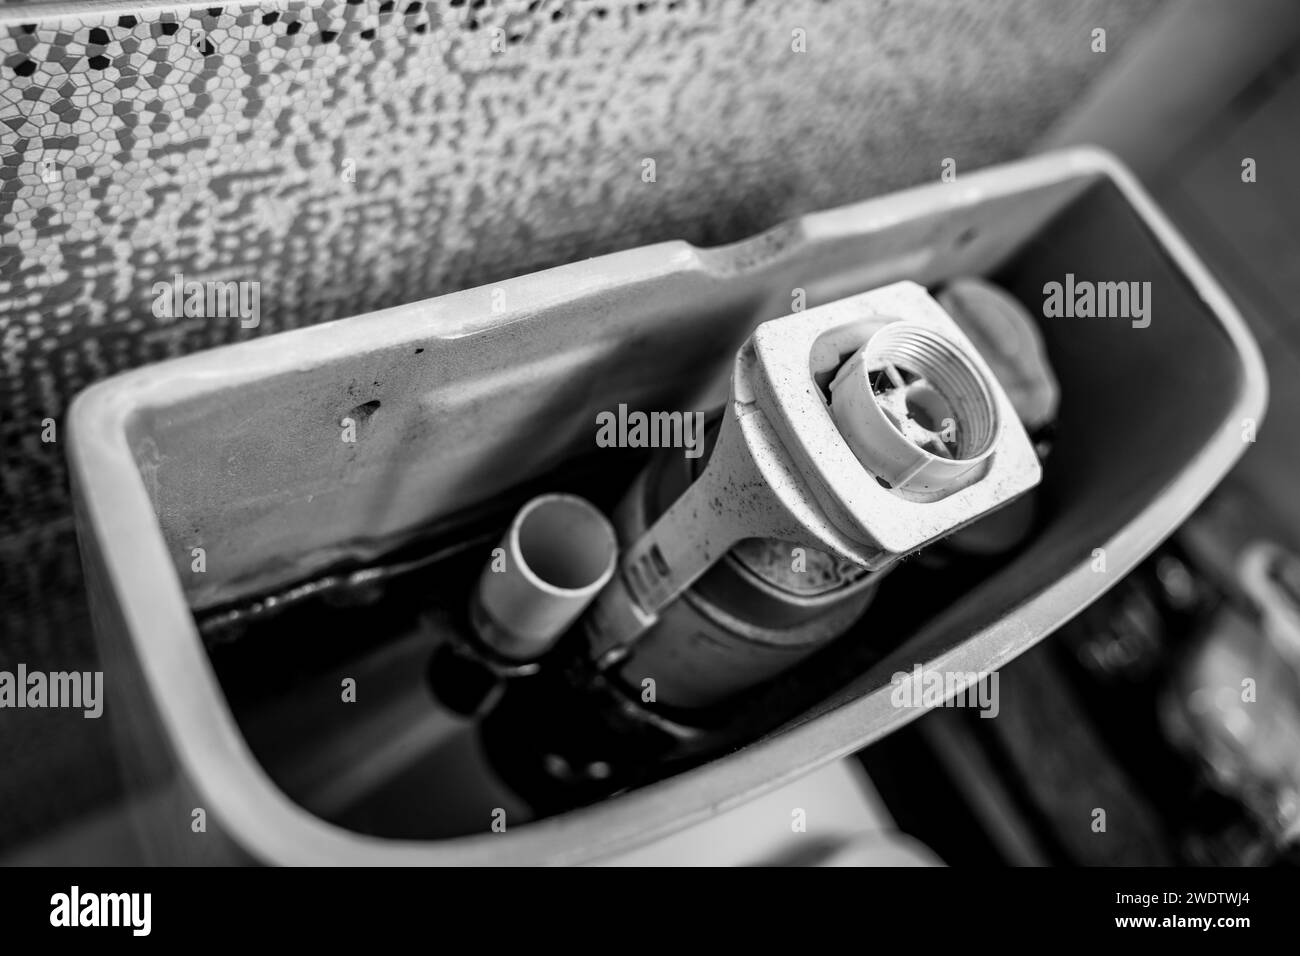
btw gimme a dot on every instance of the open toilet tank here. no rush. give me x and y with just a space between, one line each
485 395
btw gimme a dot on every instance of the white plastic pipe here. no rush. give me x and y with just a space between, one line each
557 555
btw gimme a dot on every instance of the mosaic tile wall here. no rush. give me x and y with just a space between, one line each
355 154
